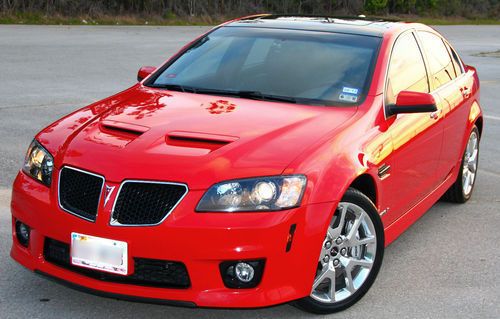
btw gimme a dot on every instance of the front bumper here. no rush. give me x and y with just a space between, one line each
199 240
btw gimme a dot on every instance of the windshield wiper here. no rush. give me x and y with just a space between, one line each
254 95
175 87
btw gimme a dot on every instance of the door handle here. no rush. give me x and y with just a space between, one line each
465 91
435 115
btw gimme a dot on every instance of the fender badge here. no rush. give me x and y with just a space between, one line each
107 193
384 212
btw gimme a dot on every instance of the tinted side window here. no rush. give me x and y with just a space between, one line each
406 69
456 60
440 65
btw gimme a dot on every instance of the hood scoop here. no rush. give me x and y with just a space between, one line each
114 133
121 128
201 141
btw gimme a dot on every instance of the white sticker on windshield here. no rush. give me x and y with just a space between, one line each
349 90
348 97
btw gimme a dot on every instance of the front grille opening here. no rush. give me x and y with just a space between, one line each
79 192
146 203
147 272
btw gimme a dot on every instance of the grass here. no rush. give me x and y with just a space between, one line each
491 54
40 19
457 21
172 20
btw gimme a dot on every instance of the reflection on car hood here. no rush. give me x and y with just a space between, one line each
153 134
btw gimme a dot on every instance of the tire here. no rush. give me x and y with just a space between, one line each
355 248
461 190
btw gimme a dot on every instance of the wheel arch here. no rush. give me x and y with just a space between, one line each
365 183
475 117
479 124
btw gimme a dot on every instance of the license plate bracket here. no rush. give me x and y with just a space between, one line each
98 253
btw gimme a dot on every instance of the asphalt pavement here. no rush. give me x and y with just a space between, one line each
447 265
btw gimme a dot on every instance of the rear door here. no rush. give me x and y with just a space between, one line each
417 138
454 86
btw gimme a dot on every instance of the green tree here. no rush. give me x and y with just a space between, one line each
375 6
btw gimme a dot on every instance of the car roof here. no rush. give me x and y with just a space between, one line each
353 25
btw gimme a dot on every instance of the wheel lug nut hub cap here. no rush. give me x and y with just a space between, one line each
326 258
338 241
328 244
343 251
334 251
336 262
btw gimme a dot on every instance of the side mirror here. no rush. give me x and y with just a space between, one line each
144 72
412 102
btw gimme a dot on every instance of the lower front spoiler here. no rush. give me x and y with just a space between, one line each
111 295
288 271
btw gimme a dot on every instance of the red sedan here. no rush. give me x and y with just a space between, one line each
270 160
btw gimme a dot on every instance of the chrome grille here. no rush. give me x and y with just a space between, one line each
144 203
80 192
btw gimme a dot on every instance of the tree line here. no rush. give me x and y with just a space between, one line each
231 8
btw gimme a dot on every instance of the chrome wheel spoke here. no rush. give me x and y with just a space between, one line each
332 290
474 143
364 241
473 157
471 178
328 272
361 262
355 227
333 233
467 179
349 283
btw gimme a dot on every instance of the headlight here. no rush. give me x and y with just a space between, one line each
39 163
254 194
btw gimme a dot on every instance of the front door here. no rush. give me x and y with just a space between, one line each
417 138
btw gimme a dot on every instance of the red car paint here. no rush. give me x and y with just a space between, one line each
332 147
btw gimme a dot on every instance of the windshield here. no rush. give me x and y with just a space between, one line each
304 67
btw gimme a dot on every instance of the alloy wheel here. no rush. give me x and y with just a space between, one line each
469 167
347 255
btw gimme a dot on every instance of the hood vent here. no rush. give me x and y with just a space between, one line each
115 127
198 140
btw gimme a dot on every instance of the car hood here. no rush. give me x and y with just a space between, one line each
153 134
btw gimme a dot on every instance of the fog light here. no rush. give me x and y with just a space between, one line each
22 233
244 272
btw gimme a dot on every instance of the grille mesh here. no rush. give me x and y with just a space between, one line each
79 192
144 203
147 272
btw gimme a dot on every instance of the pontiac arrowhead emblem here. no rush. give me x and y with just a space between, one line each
107 193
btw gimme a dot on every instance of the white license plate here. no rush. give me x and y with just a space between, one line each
99 253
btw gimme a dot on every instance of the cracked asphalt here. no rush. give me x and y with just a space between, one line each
444 266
